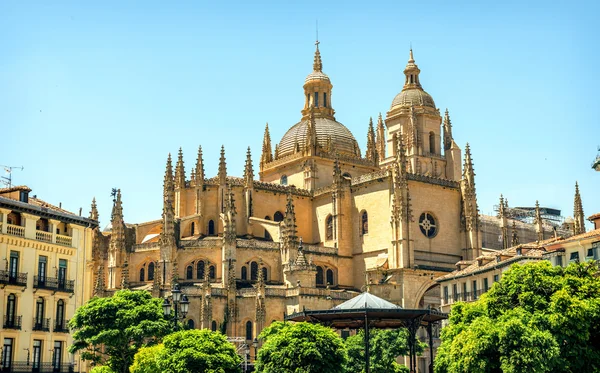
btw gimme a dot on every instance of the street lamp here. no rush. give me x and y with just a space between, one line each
255 345
180 306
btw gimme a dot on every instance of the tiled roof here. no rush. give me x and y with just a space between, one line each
594 217
586 235
15 188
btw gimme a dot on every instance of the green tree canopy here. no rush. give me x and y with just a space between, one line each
196 351
146 359
384 347
111 330
300 348
538 318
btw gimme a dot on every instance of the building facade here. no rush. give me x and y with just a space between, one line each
323 222
45 250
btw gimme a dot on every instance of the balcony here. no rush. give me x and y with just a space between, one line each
61 327
41 324
56 284
43 236
13 278
26 366
15 230
64 240
13 322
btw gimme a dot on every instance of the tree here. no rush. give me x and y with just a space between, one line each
300 348
538 318
111 330
198 351
146 360
101 369
384 347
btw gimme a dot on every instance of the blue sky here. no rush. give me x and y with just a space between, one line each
94 96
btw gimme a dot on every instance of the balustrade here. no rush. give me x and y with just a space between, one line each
15 230
43 236
64 240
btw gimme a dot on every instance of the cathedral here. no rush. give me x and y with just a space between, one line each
320 223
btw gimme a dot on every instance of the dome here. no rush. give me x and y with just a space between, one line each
342 140
413 97
317 75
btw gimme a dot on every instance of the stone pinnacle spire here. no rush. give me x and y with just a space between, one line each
222 167
380 138
267 153
248 169
515 236
447 131
117 237
180 171
412 74
468 172
318 64
578 219
289 234
94 211
311 135
199 167
501 212
538 222
371 153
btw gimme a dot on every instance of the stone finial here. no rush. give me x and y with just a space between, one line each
248 170
199 167
311 135
447 131
468 171
515 236
317 64
380 138
267 154
222 167
180 171
289 233
117 237
538 221
168 185
371 153
501 210
337 171
94 211
578 217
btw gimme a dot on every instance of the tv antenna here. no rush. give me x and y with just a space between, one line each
7 180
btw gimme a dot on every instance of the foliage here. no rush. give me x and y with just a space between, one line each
111 330
384 347
300 348
198 351
146 360
538 318
101 369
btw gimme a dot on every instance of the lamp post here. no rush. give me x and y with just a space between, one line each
180 306
255 345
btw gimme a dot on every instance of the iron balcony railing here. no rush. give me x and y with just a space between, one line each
52 283
13 322
41 324
35 367
61 327
13 278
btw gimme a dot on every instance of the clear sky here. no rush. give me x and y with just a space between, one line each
94 95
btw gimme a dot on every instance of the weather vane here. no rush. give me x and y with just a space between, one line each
113 193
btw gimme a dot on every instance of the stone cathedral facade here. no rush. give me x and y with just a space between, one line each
320 222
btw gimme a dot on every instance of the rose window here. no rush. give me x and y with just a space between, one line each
428 225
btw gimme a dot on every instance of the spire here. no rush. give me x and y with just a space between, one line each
248 170
515 237
337 171
371 148
468 172
199 167
380 138
401 209
412 74
289 234
125 274
117 237
267 155
538 222
501 211
179 171
503 222
447 131
229 228
222 167
168 186
578 219
318 64
311 135
94 211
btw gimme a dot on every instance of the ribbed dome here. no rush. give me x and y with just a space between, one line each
342 140
316 75
413 97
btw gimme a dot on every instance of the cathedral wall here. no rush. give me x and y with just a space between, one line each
143 229
271 260
267 203
210 209
191 256
322 209
445 205
374 199
139 260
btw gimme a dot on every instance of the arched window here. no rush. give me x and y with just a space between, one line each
150 271
253 271
213 326
189 273
431 142
264 273
192 230
364 223
60 314
278 216
329 228
248 330
211 228
244 273
200 270
190 324
142 272
319 275
329 275
283 180
211 272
